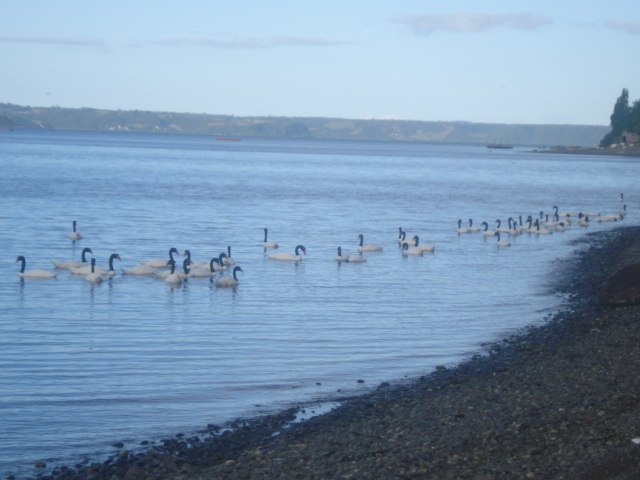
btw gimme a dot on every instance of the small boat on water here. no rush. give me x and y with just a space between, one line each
502 146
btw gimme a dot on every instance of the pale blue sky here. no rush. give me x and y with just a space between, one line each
517 61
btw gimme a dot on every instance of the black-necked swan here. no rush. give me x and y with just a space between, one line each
36 273
75 235
229 281
160 262
192 264
177 277
73 263
266 243
368 247
88 268
93 276
410 250
502 243
289 257
471 228
340 257
211 269
541 230
425 247
228 260
460 228
486 232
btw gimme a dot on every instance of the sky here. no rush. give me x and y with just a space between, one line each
509 61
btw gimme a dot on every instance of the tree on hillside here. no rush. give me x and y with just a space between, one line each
620 119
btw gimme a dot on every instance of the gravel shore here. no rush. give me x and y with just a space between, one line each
558 401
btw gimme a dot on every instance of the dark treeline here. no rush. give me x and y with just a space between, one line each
625 118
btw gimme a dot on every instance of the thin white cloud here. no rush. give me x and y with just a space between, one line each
632 28
54 41
250 43
472 22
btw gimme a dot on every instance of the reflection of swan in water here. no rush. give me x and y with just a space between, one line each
229 281
36 273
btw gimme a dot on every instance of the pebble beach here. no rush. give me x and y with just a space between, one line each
561 401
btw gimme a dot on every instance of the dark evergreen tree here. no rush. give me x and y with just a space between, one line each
619 119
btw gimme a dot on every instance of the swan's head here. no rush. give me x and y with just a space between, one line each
114 256
555 207
20 258
416 239
221 258
300 248
485 224
236 270
86 250
187 253
172 251
471 222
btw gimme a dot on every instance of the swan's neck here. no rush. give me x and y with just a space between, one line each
171 254
339 251
416 240
74 226
229 251
498 222
93 265
185 266
111 262
235 276
360 238
23 265
265 235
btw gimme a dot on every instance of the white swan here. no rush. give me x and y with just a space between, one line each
229 282
471 228
289 257
461 229
267 244
140 270
407 250
502 243
499 228
368 247
340 257
93 276
73 263
75 235
160 262
199 264
36 273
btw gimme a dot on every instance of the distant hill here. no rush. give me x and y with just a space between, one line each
91 119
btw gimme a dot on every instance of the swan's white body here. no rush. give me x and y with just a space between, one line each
471 228
368 247
141 270
608 218
427 247
357 259
36 273
289 257
229 282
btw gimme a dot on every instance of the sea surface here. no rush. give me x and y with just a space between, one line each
83 367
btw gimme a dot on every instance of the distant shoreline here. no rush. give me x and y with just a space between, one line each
605 151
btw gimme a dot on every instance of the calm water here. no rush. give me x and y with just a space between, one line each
83 366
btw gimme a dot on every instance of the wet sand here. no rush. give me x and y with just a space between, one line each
557 401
